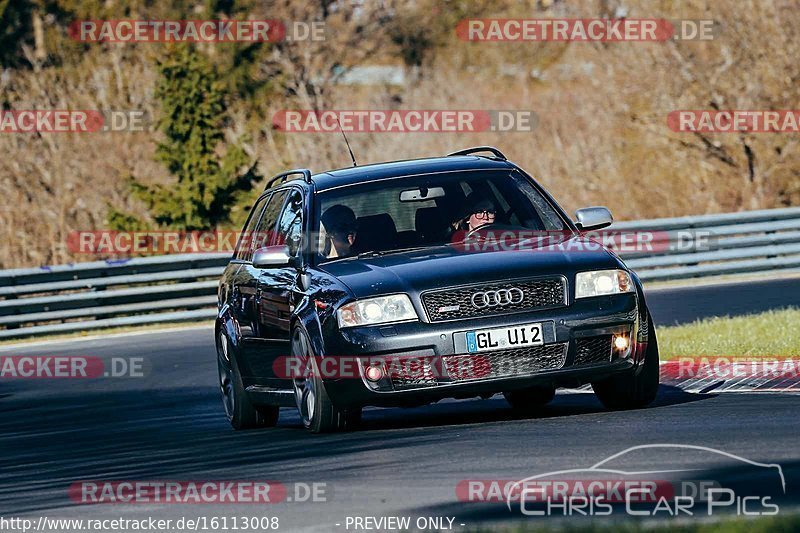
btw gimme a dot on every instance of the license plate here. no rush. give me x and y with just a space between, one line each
484 340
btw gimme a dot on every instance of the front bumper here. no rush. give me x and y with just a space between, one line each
573 337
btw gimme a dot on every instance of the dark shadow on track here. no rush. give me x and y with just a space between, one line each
181 434
497 410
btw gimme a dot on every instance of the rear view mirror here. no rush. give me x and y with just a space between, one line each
421 194
591 218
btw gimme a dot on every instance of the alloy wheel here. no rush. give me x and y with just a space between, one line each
305 390
225 367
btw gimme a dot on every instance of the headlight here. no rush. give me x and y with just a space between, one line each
602 283
380 310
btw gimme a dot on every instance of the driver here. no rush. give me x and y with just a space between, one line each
339 229
477 212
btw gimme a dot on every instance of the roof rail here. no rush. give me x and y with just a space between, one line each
280 178
497 153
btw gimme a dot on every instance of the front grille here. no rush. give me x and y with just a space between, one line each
593 350
420 373
505 363
456 303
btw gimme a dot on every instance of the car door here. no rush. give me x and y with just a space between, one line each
237 278
252 337
278 291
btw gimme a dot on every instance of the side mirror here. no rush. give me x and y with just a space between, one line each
591 218
272 257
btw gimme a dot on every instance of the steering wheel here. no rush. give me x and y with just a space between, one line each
492 227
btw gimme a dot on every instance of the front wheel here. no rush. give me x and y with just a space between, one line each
633 390
316 410
240 412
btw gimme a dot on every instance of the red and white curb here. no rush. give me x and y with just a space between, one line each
700 375
726 374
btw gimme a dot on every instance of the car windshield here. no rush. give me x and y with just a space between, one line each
426 210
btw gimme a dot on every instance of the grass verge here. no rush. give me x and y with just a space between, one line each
770 334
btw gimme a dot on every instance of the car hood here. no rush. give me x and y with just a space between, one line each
416 271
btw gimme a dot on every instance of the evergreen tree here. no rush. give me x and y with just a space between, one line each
192 119
15 31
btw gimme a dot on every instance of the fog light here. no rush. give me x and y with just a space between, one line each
374 373
621 343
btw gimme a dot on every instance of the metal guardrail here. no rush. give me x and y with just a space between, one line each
715 245
113 293
177 288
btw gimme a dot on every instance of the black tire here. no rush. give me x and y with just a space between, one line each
317 411
636 389
530 400
240 412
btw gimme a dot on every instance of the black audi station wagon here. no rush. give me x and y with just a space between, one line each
403 283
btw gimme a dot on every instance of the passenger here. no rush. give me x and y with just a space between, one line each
338 225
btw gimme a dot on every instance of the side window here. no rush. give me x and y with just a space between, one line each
265 230
290 223
243 246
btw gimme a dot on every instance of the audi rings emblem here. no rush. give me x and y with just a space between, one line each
498 298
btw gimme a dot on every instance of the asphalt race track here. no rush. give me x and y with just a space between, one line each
169 425
686 304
